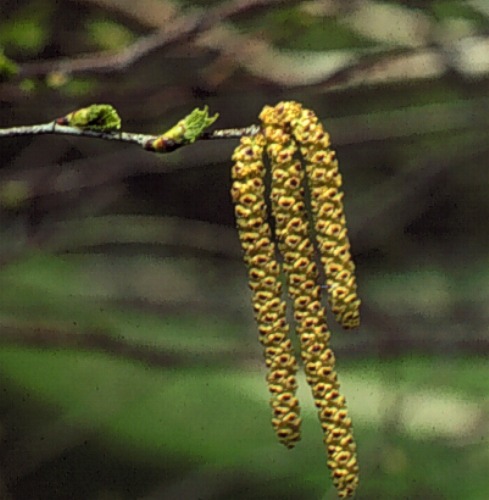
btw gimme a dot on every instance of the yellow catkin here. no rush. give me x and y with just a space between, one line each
292 232
324 182
248 194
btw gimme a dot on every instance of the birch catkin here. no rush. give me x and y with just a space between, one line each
264 271
286 128
292 232
324 182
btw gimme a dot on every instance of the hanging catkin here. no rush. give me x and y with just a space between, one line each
264 272
292 232
324 182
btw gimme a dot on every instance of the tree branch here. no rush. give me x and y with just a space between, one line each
143 140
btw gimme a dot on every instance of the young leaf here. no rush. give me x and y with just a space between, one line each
97 117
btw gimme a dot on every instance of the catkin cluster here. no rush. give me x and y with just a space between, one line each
285 128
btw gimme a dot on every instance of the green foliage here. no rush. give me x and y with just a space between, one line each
217 418
27 35
13 194
445 9
213 414
99 117
28 85
8 68
26 30
79 86
187 130
310 33
109 35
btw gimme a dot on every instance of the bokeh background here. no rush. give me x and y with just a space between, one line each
129 360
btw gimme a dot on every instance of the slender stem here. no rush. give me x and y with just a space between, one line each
231 133
127 137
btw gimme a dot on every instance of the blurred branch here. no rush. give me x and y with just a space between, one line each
467 56
181 29
147 12
80 234
52 338
349 67
142 229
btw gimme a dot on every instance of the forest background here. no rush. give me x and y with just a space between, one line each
129 361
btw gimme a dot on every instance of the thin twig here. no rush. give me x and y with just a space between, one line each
54 128
127 137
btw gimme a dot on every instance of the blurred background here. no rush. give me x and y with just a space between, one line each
129 361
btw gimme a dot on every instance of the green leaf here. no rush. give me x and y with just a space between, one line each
98 117
109 35
196 122
8 68
186 131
